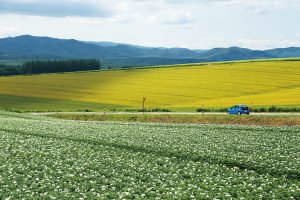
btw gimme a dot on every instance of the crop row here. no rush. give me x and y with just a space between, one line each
46 158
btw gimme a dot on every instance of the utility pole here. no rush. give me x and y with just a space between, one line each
144 99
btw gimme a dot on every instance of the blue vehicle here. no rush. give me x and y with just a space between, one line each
239 110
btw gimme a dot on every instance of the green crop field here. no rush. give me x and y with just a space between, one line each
177 88
45 158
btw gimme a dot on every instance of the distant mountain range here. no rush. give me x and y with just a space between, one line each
28 47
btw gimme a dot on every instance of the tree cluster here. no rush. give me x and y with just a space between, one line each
51 66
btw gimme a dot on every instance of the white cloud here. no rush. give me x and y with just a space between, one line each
57 8
260 6
7 31
247 3
172 17
183 23
115 11
111 8
152 12
256 44
268 43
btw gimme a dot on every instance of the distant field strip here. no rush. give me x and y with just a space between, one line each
186 118
178 88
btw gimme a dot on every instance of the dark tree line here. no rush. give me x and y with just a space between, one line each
51 66
9 70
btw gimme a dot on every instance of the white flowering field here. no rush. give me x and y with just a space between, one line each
44 158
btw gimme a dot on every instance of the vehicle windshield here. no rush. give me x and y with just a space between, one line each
244 108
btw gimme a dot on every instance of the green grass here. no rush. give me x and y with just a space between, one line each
34 104
44 158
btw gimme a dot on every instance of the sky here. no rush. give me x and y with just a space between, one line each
194 24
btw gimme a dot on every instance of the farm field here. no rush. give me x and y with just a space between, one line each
43 158
178 88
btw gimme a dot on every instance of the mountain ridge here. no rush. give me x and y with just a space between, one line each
43 47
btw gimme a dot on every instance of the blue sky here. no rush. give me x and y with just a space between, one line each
196 24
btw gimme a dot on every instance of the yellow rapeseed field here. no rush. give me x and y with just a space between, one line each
178 88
